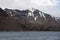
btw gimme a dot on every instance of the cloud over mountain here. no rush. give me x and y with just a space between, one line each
44 5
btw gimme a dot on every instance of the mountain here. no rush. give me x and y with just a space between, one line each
28 20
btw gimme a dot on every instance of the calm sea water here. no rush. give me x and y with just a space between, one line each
29 35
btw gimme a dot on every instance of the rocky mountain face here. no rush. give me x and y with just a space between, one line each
27 20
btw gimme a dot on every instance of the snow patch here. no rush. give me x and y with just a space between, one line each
30 14
57 18
35 18
11 14
41 14
32 9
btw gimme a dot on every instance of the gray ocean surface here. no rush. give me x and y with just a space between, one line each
41 35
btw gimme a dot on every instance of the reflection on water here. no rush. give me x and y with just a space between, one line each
29 35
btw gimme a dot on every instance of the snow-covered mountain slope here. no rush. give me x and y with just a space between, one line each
34 15
29 19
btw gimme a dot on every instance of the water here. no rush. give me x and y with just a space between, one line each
29 35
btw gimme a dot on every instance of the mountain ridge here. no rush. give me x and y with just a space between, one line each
28 20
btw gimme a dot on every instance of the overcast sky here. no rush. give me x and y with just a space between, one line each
48 6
